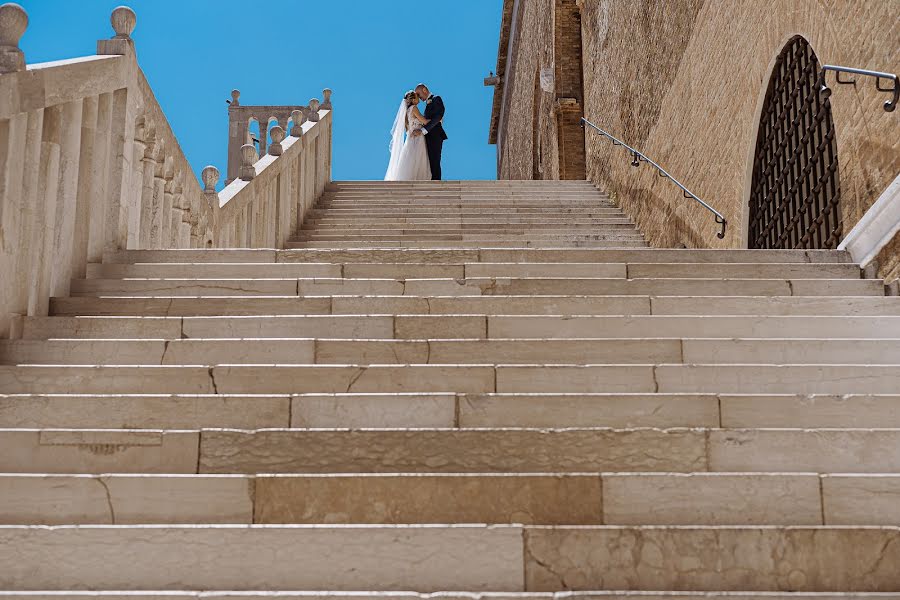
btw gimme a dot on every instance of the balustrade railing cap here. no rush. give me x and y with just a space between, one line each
123 21
13 23
210 177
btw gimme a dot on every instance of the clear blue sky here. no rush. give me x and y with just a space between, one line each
194 52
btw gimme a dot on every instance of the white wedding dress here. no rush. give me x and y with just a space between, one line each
409 157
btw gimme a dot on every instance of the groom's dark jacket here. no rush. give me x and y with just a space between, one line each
434 112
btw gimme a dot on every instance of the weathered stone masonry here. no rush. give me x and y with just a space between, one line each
684 81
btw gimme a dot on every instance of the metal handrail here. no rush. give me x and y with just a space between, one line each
638 157
889 106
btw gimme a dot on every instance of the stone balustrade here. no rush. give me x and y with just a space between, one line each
89 164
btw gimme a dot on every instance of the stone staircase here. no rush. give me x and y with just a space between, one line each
449 390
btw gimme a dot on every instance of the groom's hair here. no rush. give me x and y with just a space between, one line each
421 86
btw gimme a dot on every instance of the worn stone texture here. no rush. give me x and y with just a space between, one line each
684 82
426 498
452 451
711 558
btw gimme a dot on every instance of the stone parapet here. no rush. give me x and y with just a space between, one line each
89 164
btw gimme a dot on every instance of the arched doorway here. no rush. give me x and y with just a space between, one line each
795 196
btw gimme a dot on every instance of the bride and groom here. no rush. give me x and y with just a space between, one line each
418 156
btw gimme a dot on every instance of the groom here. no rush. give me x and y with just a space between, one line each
434 131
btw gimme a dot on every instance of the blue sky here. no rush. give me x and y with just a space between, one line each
194 52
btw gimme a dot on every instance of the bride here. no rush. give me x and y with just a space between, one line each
409 159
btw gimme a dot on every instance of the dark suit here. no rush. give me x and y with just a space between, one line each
435 136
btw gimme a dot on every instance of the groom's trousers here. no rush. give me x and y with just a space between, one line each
434 144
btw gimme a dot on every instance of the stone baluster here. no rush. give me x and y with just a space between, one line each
181 231
326 99
205 215
123 21
13 22
314 110
248 157
235 98
159 183
139 147
148 164
297 120
165 226
275 148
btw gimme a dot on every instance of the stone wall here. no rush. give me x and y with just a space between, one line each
684 81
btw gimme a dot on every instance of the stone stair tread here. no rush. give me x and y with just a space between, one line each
423 498
430 558
518 350
448 410
449 450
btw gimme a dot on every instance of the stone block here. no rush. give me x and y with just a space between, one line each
544 499
98 451
452 451
387 410
861 499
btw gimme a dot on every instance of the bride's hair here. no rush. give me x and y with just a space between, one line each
411 98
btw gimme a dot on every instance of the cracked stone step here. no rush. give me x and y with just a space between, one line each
546 378
402 498
424 450
652 255
450 352
473 244
553 450
332 595
448 410
432 558
478 286
448 326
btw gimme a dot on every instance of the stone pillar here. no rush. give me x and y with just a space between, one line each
42 233
137 184
12 164
30 196
210 177
148 167
66 207
121 130
13 22
100 178
263 134
237 136
84 198
165 225
156 210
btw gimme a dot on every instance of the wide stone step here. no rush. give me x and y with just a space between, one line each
388 326
450 352
332 595
423 498
561 235
477 286
321 219
494 255
447 410
370 229
209 305
503 450
475 213
299 379
471 245
432 558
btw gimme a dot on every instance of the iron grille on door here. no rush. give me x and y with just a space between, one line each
795 195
